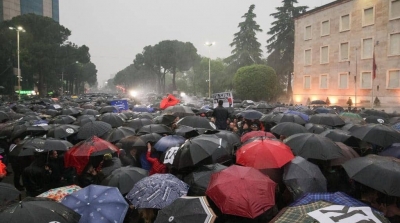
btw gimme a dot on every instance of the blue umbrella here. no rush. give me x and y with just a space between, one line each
169 141
302 115
393 150
339 198
140 109
157 191
396 126
97 204
323 110
251 114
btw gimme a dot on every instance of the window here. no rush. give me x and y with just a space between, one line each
367 46
325 28
343 80
344 23
366 80
393 80
394 8
307 57
307 33
307 82
368 16
323 81
324 57
394 44
344 51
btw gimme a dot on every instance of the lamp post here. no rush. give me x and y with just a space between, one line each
18 29
209 67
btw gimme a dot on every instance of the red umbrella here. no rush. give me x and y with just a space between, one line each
242 191
78 156
264 154
253 134
170 100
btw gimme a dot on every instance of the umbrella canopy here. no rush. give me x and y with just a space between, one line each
125 178
376 120
304 116
338 135
318 102
327 119
70 111
251 114
113 119
169 101
83 119
377 134
348 154
322 110
117 134
78 156
264 154
288 129
28 147
199 179
90 112
94 128
229 136
299 214
301 176
155 128
108 108
350 117
287 117
4 116
8 193
369 112
249 192
196 122
62 131
157 191
310 145
164 119
187 209
316 128
186 131
38 210
138 123
379 172
57 194
97 203
63 119
339 198
179 111
393 151
254 134
169 141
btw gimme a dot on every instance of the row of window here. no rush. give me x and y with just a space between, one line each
367 50
365 82
368 18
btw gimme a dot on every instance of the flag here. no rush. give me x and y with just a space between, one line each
373 66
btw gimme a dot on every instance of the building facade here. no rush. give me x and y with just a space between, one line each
12 8
336 46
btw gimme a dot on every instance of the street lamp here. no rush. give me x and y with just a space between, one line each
209 67
18 29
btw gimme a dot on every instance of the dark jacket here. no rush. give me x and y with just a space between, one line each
221 114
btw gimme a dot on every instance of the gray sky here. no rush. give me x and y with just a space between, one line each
116 30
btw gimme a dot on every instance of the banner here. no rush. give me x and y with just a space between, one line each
227 97
120 104
344 214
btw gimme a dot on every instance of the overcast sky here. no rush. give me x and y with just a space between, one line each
117 30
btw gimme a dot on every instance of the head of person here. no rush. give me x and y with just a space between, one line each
53 154
231 125
254 127
220 102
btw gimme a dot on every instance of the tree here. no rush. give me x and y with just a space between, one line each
247 49
281 43
256 82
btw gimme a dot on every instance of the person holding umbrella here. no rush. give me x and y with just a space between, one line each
220 114
156 165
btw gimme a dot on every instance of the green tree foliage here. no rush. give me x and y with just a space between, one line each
281 43
256 82
247 49
149 63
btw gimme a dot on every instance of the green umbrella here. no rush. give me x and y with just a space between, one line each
299 213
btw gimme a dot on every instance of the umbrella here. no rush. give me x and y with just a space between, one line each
28 146
52 112
21 131
287 117
4 116
338 135
169 101
301 176
310 145
89 106
196 122
280 109
157 191
375 119
94 128
140 108
229 136
62 131
108 108
318 102
202 150
83 119
38 210
396 126
254 134
348 154
350 127
394 120
369 112
179 111
187 209
350 117
138 123
377 134
393 151
70 111
186 131
146 115
242 191
117 134
90 112
164 119
327 119
169 141
112 118
63 119
304 116
97 203
155 128
299 214
125 178
321 110
339 198
316 128
378 172
8 193
56 144
288 129
78 156
337 108
264 154
57 194
199 179
251 114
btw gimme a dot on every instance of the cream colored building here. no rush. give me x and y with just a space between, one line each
12 8
334 47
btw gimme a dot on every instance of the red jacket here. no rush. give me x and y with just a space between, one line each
156 166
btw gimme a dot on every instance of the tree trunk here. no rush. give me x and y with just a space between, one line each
173 79
42 86
289 86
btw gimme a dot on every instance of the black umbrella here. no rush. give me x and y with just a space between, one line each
379 172
230 137
113 119
83 119
39 145
287 117
196 122
22 131
108 108
4 116
155 128
62 131
377 134
187 131
310 145
63 119
350 127
327 119
90 112
39 210
375 119
251 114
94 128
70 111
145 115
138 123
164 119
150 137
370 112
125 178
179 111
318 102
52 112
31 118
129 115
288 129
268 117
8 193
118 133
338 135
56 144
199 179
